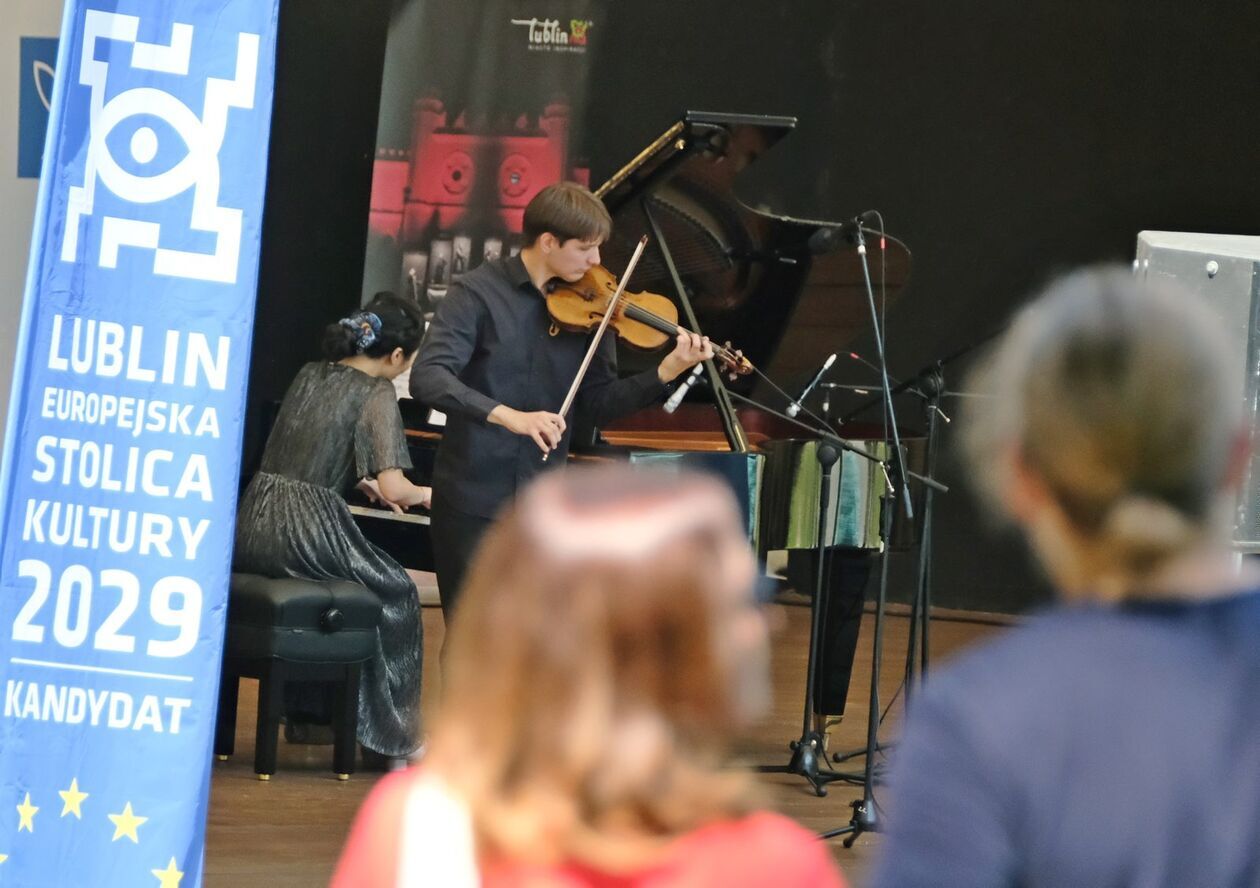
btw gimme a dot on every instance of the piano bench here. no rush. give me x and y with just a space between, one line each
282 630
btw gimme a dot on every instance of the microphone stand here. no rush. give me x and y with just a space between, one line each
807 750
929 386
932 387
890 413
864 816
913 381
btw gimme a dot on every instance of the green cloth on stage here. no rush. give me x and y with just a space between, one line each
853 503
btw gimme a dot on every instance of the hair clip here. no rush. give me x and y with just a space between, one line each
366 325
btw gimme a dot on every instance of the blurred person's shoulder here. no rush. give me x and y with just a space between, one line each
370 856
1082 634
755 851
762 848
1067 658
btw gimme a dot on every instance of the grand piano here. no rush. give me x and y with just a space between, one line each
786 291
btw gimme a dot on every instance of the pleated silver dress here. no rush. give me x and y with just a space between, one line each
338 425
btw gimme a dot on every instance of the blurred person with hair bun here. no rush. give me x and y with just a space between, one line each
339 427
1115 739
608 643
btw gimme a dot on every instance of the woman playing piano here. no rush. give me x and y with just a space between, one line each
337 427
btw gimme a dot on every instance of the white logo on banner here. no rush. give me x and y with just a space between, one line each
199 170
41 73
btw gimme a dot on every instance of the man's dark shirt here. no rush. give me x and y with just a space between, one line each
490 344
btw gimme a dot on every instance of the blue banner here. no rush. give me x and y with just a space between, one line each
37 55
120 462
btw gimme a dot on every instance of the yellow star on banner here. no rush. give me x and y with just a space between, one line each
73 799
125 824
170 876
3 858
27 812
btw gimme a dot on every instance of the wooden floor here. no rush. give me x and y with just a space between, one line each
287 833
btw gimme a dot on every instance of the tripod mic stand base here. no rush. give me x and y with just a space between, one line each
863 821
860 752
807 753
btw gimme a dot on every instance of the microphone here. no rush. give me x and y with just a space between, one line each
861 360
828 239
681 392
795 407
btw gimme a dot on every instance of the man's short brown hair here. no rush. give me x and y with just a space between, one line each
566 210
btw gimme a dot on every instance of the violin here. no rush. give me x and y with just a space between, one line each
644 320
598 301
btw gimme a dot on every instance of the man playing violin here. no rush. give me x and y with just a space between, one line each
494 362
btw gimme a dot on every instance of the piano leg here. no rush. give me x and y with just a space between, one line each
848 572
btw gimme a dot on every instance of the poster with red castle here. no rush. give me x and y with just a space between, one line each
480 109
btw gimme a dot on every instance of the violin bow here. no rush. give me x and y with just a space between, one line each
599 333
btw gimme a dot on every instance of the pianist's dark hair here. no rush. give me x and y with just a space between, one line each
402 325
566 210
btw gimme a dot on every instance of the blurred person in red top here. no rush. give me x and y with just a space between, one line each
608 644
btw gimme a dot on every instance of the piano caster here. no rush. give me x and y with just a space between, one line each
222 758
343 777
264 777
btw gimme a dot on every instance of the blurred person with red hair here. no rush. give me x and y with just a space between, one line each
608 644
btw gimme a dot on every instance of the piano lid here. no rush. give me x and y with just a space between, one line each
772 285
